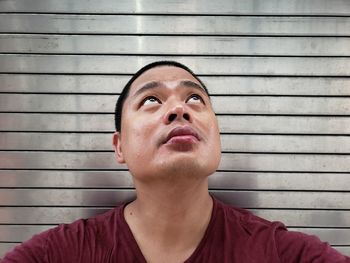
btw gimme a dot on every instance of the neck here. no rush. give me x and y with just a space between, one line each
174 215
171 197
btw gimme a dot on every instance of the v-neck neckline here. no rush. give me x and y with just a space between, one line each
135 247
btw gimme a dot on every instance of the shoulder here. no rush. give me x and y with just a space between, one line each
84 229
253 225
306 248
290 246
97 224
66 240
29 250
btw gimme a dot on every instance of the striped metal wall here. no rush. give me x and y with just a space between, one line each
278 72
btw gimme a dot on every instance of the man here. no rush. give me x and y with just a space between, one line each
167 134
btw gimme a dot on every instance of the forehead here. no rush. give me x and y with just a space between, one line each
162 74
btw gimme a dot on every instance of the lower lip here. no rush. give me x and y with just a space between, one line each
182 139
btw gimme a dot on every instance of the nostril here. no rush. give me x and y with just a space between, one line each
186 116
172 117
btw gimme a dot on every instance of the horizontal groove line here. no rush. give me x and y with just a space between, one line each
22 224
282 115
64 170
57 112
199 75
223 133
321 227
301 227
275 95
12 242
299 209
56 206
217 114
161 14
72 188
278 172
273 171
250 209
224 152
284 134
77 132
171 55
58 151
157 35
211 95
119 203
70 93
285 153
219 170
178 34
102 189
223 190
342 246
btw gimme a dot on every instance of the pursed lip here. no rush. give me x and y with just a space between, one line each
182 131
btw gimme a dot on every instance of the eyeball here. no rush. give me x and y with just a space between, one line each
194 98
150 100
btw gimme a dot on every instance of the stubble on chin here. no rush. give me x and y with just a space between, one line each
186 169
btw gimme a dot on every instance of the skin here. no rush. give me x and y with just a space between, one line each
173 207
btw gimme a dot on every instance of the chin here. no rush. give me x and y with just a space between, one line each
186 167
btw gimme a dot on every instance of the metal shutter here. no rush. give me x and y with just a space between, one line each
278 72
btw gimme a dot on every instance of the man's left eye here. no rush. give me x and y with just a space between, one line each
194 98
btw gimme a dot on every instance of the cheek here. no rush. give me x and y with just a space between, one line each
214 154
211 128
214 136
138 141
215 141
139 151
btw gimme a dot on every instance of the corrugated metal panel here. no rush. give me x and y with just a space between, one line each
159 24
252 124
57 215
18 233
278 71
246 7
228 85
110 197
172 45
239 180
230 142
281 162
252 105
103 64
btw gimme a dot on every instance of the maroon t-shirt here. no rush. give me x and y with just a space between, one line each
233 235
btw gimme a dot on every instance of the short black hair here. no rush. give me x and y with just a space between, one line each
125 92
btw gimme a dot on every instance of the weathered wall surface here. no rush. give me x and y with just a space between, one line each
278 72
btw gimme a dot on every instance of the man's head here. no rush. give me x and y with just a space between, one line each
125 92
165 124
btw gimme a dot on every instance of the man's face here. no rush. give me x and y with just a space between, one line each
169 128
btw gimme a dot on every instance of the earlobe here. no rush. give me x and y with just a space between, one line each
118 148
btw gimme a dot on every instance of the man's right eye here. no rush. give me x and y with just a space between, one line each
150 100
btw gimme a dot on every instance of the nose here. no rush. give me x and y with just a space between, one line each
177 113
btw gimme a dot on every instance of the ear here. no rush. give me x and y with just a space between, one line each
118 148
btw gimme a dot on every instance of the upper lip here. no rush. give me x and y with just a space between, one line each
182 130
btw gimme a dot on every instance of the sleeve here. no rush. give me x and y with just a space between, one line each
302 248
32 251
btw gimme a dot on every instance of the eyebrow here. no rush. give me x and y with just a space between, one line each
156 84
